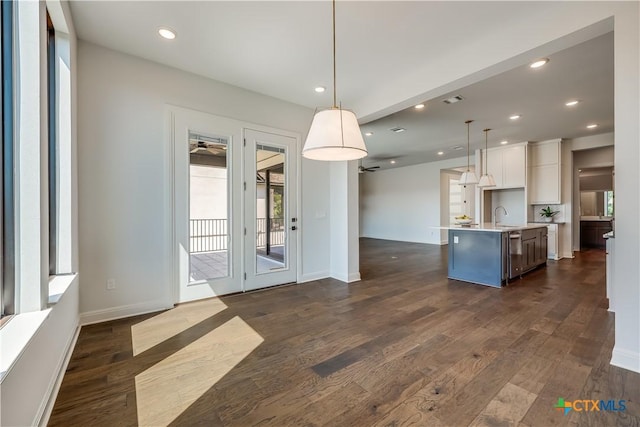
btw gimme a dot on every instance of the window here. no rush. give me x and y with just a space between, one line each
608 203
7 220
52 145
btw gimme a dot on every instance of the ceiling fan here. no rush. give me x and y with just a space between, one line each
204 147
362 169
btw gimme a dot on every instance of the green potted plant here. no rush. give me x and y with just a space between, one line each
547 214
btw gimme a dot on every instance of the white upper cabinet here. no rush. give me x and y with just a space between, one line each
545 169
508 165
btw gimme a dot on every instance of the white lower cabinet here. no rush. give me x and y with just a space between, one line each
552 242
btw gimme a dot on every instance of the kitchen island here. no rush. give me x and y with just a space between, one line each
492 255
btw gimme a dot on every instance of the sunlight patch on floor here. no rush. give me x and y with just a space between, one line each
168 388
153 331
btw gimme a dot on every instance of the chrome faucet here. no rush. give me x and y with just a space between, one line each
495 214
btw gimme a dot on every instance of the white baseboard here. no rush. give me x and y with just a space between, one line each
310 277
567 255
626 359
54 387
122 311
352 277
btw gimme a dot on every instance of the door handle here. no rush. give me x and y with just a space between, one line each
294 228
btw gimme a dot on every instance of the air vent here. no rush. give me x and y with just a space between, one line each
453 99
457 147
397 130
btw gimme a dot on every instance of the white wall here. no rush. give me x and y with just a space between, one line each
626 263
344 246
123 163
404 203
208 192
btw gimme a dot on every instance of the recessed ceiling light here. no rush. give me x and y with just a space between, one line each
393 162
397 129
419 107
167 33
572 103
440 153
539 63
504 142
515 117
368 133
453 99
592 126
320 89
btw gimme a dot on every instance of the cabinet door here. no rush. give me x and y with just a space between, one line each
494 165
545 153
545 184
542 246
514 167
529 254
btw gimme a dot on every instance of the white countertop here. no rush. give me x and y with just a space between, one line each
490 227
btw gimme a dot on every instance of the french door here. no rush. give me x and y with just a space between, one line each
270 209
234 206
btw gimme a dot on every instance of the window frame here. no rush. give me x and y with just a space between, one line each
7 160
52 169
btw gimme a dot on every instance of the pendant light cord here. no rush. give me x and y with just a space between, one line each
335 104
468 122
486 152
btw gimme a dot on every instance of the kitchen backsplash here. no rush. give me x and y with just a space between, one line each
534 213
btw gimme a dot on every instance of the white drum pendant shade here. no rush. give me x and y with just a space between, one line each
468 178
487 181
334 135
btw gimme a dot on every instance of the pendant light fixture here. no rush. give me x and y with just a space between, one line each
334 133
468 177
486 180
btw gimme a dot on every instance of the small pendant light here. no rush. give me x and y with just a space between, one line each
486 180
468 177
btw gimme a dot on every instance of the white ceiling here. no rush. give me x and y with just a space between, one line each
583 72
283 49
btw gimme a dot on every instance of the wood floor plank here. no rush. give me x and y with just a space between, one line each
506 409
404 346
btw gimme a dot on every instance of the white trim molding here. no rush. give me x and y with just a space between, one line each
310 277
123 311
625 359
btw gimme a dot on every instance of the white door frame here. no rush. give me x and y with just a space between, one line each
175 253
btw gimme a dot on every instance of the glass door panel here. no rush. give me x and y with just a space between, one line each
208 207
271 232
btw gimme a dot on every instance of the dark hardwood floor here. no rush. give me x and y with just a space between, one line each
404 346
